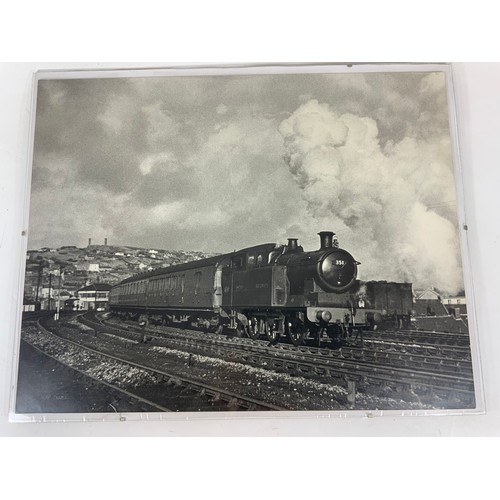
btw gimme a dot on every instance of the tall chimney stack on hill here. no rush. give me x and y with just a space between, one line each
106 242
90 241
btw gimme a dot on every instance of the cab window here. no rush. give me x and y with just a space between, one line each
237 262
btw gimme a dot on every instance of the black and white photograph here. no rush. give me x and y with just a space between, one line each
246 239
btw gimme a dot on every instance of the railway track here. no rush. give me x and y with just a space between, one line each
350 364
450 340
116 394
410 347
402 359
169 391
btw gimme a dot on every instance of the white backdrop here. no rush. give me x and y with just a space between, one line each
478 109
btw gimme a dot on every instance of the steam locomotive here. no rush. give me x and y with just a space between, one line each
267 290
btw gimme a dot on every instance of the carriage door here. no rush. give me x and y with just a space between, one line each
218 287
238 263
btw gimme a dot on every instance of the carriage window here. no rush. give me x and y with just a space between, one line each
260 259
251 260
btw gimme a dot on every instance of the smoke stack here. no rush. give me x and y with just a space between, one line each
292 245
326 238
90 241
106 242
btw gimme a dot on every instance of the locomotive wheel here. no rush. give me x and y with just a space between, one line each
253 329
316 334
296 332
240 330
272 332
317 337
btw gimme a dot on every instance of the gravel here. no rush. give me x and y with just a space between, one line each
291 392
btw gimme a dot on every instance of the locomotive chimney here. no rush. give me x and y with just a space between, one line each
292 245
326 238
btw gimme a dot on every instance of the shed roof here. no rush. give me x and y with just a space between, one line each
96 287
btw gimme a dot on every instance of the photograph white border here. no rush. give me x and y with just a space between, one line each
464 76
257 69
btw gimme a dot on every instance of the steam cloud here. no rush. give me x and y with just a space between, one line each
392 206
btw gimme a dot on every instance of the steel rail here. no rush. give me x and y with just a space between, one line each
324 364
94 379
240 400
413 361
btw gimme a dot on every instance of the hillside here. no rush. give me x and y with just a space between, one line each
94 264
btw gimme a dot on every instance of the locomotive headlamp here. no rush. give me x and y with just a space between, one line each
325 316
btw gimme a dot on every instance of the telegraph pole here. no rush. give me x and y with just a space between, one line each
50 289
40 270
59 294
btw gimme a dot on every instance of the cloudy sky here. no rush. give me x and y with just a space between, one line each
223 162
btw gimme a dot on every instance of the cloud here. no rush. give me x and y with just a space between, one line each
162 126
164 179
221 109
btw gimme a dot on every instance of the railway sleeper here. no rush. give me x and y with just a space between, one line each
190 388
234 403
304 368
319 370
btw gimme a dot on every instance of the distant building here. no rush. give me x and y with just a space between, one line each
93 268
93 297
71 304
429 303
28 305
456 306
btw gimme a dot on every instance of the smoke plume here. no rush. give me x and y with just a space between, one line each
393 207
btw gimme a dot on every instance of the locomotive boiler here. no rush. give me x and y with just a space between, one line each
267 290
